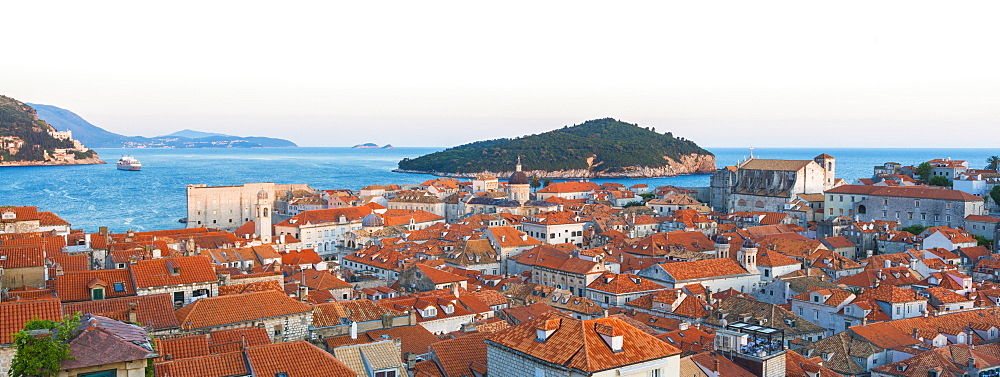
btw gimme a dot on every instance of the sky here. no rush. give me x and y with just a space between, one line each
442 73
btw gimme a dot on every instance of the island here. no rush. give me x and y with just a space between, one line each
600 148
26 140
366 146
98 137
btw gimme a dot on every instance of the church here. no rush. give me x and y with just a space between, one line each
765 185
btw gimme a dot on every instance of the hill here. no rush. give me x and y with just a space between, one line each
98 137
596 148
27 140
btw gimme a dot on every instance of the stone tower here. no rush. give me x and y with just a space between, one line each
518 187
262 217
829 164
721 247
747 256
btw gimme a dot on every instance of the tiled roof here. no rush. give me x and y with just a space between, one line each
234 309
948 361
361 310
891 294
437 276
576 344
797 365
106 341
415 338
153 311
76 286
623 283
361 358
837 242
21 256
458 356
703 269
719 365
21 213
567 187
780 165
296 359
982 218
884 276
221 365
156 272
769 258
71 263
737 308
257 286
317 279
904 192
15 314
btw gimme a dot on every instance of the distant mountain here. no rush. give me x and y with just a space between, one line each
27 140
595 148
366 146
97 137
192 134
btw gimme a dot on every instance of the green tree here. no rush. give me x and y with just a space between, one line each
40 352
983 241
939 180
535 182
923 171
546 182
993 163
995 194
916 229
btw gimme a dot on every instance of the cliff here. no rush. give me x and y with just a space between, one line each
26 140
602 148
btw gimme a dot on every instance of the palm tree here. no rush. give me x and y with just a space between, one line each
993 163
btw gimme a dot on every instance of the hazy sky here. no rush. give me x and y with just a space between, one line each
437 73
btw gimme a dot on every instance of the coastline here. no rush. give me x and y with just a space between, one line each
561 174
88 161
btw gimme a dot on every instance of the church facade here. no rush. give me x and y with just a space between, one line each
766 185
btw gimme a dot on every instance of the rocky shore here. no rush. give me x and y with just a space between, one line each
85 161
688 164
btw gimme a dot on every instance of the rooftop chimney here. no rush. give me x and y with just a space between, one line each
133 316
354 330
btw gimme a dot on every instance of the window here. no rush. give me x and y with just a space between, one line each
97 293
278 329
178 296
767 272
119 287
653 373
388 373
539 372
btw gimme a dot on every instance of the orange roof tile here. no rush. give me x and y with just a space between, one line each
15 314
233 309
157 272
703 269
297 359
73 286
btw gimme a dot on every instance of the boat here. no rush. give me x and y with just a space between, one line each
129 163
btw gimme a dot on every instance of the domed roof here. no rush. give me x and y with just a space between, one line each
262 194
518 178
371 221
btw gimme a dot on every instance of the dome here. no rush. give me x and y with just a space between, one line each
371 221
518 178
262 194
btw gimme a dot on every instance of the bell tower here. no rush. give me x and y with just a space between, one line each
262 217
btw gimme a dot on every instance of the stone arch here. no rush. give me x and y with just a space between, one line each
862 209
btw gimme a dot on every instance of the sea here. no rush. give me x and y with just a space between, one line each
92 196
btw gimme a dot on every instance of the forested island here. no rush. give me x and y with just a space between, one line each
596 148
26 140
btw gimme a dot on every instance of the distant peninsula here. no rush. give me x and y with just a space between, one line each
601 148
26 140
372 146
98 137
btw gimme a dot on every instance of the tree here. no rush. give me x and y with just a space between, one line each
546 182
939 180
923 171
39 353
915 229
982 241
993 163
995 194
535 183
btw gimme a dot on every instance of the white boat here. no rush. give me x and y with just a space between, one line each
129 163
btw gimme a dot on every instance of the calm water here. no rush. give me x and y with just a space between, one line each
91 196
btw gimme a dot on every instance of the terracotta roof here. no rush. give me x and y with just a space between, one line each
885 276
415 338
76 286
15 314
571 186
154 311
719 365
797 365
437 276
21 256
773 258
949 361
703 269
233 309
157 272
904 192
297 359
577 344
623 283
361 310
458 357
71 263
982 218
21 213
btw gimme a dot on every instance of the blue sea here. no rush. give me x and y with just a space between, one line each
91 196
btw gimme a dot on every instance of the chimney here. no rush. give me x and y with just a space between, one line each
133 317
303 293
887 263
354 330
972 362
454 289
916 333
411 360
103 230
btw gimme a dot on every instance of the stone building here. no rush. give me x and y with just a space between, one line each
418 200
285 318
229 207
766 185
185 278
905 205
